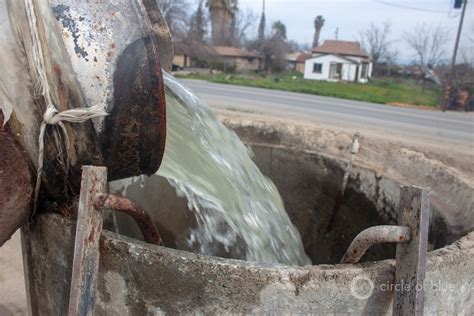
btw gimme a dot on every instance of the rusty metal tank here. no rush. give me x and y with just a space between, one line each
109 53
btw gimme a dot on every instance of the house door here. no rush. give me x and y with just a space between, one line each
335 71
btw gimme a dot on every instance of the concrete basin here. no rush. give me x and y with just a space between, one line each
306 164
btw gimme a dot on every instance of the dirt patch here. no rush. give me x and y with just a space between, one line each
412 106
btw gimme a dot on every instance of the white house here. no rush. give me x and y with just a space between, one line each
338 61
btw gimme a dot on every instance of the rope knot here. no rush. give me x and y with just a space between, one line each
52 116
49 115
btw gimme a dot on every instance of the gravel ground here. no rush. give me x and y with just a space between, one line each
12 284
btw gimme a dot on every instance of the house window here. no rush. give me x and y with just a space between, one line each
364 71
317 68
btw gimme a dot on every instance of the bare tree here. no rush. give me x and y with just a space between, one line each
244 24
175 13
275 48
375 40
467 55
471 36
198 24
261 25
427 42
295 46
391 57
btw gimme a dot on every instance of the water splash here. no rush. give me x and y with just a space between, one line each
235 205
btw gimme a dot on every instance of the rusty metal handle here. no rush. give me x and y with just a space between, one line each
134 210
374 235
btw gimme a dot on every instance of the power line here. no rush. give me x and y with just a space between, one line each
409 7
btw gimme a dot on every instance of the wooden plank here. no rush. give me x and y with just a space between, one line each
411 256
86 250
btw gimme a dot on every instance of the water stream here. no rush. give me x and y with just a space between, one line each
237 208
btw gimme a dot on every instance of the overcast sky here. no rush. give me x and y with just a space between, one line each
352 16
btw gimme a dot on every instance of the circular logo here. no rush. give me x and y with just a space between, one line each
362 287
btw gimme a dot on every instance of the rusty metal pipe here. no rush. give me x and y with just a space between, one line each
374 235
133 209
354 151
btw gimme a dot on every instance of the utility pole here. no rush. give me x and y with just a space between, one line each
449 84
336 33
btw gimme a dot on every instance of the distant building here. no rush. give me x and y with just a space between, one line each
339 61
181 59
239 59
296 61
221 57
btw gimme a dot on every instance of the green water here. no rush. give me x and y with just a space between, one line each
237 209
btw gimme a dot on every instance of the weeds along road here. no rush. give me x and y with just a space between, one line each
453 130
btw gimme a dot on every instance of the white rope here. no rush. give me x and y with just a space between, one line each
52 116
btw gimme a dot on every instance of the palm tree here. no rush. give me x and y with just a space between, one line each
222 13
279 30
318 25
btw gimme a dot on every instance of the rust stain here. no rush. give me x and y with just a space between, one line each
16 186
57 70
63 90
137 120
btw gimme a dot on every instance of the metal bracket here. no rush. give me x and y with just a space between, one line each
92 200
411 256
412 247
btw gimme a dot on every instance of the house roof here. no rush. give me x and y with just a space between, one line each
292 56
302 57
200 50
232 52
299 57
344 57
340 48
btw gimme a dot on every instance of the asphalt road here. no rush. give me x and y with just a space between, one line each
450 129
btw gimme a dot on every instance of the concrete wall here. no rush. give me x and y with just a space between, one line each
241 64
247 64
141 279
296 66
451 190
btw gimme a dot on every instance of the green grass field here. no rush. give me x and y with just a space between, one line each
383 90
